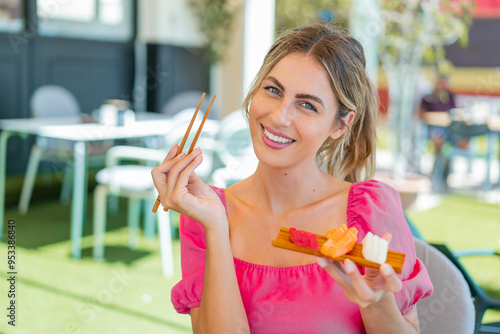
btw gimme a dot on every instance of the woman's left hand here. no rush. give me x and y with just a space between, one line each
364 290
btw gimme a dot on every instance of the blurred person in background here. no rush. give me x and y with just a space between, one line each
441 99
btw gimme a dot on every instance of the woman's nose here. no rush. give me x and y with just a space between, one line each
282 115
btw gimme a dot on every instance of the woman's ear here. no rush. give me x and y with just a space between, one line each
342 126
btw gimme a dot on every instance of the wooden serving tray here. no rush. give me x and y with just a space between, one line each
395 259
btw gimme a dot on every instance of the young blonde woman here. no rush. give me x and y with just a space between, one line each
311 105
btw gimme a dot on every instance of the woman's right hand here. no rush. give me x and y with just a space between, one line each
180 189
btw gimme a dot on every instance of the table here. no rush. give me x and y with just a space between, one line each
437 118
443 119
71 128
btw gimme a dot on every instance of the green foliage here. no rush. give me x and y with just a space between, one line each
426 25
429 25
215 19
293 13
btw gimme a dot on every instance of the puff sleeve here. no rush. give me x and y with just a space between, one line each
187 293
375 207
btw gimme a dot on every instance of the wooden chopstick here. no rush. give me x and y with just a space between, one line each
195 139
201 126
186 136
395 259
188 130
183 142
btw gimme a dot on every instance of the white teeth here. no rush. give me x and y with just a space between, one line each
276 138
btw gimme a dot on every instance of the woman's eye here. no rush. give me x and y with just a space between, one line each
307 105
273 90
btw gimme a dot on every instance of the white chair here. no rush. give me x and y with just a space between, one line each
54 101
135 183
450 309
187 99
206 141
234 150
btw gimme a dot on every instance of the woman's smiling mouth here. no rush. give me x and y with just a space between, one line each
274 140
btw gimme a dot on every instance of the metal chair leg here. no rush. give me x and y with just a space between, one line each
100 199
29 179
133 222
149 219
67 185
165 235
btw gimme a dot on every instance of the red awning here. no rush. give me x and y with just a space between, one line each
487 9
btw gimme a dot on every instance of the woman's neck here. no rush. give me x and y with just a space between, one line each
280 191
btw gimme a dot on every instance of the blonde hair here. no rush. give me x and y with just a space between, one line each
350 157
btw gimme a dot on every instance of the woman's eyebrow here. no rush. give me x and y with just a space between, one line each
276 82
299 96
310 97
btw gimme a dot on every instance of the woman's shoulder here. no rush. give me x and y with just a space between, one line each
374 190
374 205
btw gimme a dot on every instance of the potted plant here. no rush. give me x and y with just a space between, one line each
215 19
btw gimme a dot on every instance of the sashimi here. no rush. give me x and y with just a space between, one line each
335 248
375 248
336 233
303 238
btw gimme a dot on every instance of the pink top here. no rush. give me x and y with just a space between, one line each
305 299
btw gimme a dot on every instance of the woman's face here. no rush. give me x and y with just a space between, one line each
293 112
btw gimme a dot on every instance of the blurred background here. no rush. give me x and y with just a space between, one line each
93 93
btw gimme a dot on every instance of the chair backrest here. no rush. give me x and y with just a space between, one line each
234 143
189 99
53 101
206 140
180 123
450 309
234 150
120 173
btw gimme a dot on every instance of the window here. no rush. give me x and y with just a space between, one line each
87 19
11 18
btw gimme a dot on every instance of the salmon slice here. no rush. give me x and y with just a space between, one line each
335 248
336 233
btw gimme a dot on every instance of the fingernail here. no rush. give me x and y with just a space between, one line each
349 266
385 269
197 150
182 155
322 261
